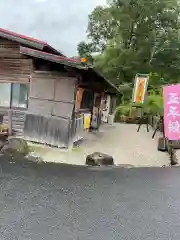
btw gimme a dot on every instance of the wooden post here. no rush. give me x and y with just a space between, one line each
10 122
72 123
159 125
144 119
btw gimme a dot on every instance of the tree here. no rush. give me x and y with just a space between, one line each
100 28
134 36
85 51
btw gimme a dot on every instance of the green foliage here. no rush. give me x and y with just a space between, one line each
85 50
123 110
100 28
154 104
134 36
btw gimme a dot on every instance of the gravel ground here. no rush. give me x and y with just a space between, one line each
128 147
56 201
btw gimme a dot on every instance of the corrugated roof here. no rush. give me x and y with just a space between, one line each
22 36
42 53
52 57
28 41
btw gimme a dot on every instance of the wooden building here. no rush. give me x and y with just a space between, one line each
38 84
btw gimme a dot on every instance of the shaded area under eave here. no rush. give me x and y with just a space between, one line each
111 88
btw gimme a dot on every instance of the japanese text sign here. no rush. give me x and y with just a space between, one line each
172 111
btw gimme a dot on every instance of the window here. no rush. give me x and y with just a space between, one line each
87 100
19 95
5 94
13 95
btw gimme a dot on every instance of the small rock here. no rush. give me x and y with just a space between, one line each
33 157
1 144
99 159
5 148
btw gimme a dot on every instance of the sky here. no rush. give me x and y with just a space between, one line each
61 23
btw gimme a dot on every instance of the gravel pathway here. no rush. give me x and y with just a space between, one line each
122 141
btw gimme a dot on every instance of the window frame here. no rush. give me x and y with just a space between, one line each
11 95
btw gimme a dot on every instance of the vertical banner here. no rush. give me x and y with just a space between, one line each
171 95
79 95
140 88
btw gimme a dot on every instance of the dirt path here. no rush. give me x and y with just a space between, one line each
121 141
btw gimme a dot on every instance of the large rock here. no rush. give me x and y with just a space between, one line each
16 145
99 159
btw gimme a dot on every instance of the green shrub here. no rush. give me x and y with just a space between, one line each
123 110
154 104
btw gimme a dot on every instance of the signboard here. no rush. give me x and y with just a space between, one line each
172 111
140 88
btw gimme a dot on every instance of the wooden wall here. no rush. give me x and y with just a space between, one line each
14 67
49 130
51 95
18 119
